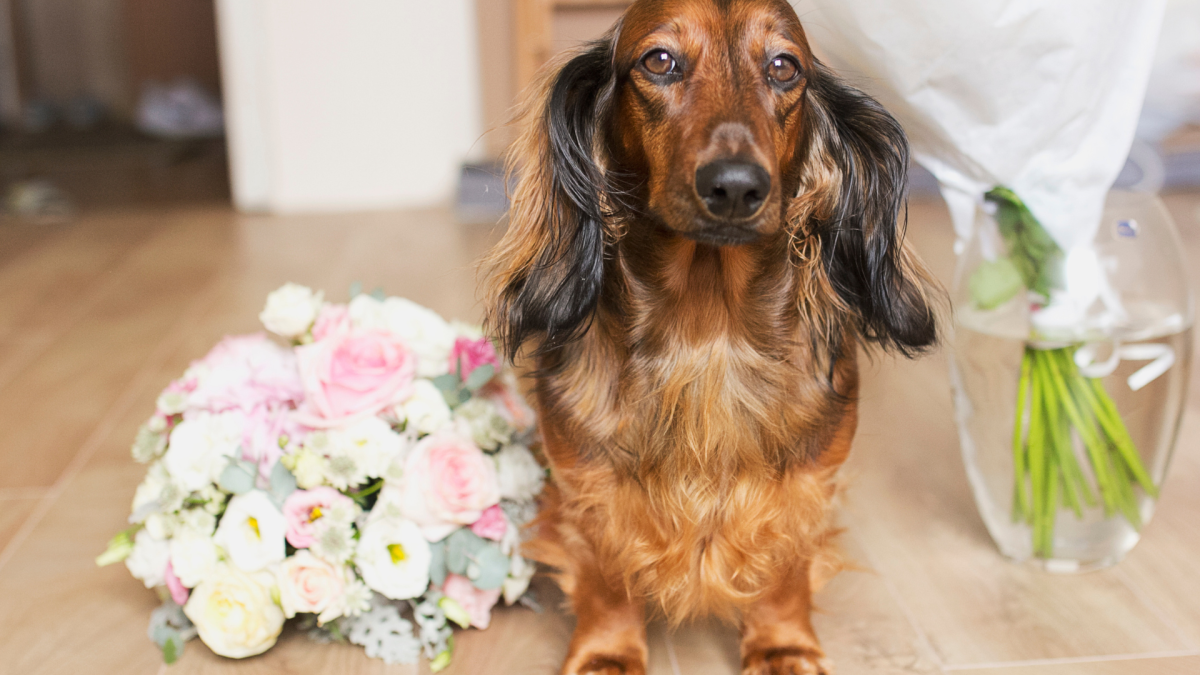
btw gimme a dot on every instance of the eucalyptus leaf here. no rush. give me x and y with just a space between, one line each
160 633
493 568
282 485
447 382
236 479
437 563
461 546
480 376
379 295
355 289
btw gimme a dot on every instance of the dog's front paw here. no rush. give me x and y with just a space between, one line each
787 661
603 664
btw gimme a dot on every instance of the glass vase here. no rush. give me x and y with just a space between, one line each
1068 404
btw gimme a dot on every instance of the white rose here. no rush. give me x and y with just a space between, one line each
193 556
426 411
234 613
467 330
308 584
394 558
199 448
148 560
291 310
252 531
359 452
426 333
521 477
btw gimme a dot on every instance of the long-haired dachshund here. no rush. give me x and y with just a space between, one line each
703 231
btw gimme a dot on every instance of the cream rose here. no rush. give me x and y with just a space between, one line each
308 584
291 309
448 482
252 531
394 558
234 613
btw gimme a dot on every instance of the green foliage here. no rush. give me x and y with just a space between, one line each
442 660
238 477
1060 403
994 283
282 484
455 612
119 547
1034 254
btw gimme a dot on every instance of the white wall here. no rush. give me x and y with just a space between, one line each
350 104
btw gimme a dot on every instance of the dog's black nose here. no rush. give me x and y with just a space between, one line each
733 188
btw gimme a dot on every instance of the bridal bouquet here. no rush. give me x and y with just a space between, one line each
370 474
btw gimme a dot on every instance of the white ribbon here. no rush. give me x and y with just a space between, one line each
1161 358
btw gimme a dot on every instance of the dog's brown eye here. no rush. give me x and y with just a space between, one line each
660 62
783 69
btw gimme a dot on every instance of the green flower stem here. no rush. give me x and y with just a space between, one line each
1037 460
1083 425
1054 398
1111 421
1020 498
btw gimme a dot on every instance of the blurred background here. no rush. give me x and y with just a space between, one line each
290 106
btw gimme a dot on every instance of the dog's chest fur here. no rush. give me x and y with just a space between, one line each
693 430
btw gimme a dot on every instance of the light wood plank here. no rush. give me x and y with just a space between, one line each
60 613
50 406
13 512
1170 665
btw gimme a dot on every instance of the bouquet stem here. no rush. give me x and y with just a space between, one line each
1053 400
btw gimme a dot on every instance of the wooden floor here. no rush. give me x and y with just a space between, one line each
96 316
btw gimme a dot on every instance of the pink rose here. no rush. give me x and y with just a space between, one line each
302 510
471 354
331 319
492 524
179 592
308 584
448 482
476 603
354 374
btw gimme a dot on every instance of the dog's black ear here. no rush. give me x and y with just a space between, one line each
548 269
864 156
